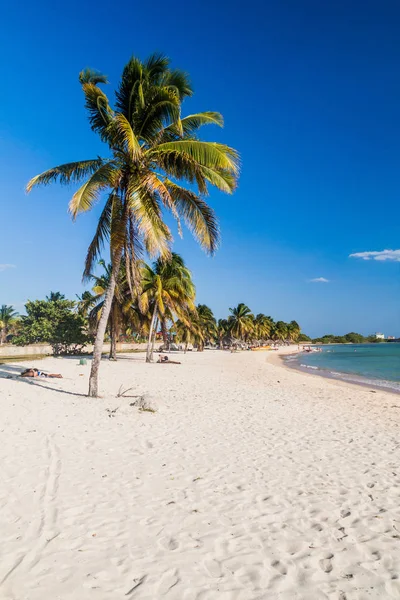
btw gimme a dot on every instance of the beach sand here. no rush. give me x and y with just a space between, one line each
252 482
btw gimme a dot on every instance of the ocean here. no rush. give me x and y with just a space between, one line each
376 365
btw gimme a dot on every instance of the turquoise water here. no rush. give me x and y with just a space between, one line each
373 364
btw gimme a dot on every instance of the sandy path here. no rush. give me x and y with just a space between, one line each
252 482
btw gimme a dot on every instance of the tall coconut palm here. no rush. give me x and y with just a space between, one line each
150 149
167 292
241 321
7 319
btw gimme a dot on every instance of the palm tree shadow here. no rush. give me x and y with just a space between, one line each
8 371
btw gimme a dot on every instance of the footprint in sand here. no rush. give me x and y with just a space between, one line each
168 543
345 513
279 567
212 567
326 564
168 580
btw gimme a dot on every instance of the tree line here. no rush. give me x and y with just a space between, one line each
162 306
348 338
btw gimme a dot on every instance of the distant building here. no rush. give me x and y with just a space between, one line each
391 337
380 336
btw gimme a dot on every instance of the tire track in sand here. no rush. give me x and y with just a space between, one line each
46 530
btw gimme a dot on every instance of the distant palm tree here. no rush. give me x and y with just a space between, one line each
167 292
280 332
55 297
262 327
223 330
294 330
187 332
7 319
241 321
151 148
205 324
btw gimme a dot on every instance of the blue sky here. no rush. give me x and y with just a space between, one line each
310 93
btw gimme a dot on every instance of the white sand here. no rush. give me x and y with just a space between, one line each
252 482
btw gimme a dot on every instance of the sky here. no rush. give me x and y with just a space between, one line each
310 94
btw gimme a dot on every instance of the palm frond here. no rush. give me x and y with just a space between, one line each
146 211
98 107
162 109
126 136
207 154
66 174
92 76
130 88
191 124
84 198
100 237
198 216
179 81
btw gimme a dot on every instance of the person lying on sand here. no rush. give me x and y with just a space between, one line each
36 373
165 359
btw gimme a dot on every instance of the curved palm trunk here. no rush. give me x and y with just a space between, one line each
154 340
105 313
149 343
101 329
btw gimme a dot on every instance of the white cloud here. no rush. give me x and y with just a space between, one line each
383 255
4 266
319 280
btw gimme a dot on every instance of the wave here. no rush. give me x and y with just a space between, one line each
392 386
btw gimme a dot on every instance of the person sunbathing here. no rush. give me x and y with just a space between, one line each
165 359
36 373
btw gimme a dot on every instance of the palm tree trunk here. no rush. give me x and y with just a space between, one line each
164 334
101 330
154 340
153 318
186 347
113 333
113 345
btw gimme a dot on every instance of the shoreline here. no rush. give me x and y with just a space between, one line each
326 375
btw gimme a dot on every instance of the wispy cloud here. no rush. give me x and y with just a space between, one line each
393 255
5 266
318 280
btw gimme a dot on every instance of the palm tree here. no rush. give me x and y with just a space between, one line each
280 331
151 148
187 332
293 331
205 325
167 291
7 319
241 321
222 330
262 327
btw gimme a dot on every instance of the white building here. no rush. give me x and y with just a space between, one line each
380 336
